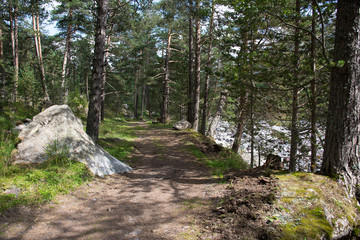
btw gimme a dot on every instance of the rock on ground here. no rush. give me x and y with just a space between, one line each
182 125
57 129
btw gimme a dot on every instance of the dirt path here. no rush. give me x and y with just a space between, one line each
165 197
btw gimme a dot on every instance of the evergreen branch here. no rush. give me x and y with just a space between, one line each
308 31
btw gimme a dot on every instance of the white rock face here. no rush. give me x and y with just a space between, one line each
182 125
58 124
267 137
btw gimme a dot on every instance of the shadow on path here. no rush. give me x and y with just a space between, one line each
165 197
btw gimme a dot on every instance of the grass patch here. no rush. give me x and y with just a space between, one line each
219 162
113 128
117 137
225 161
159 125
38 184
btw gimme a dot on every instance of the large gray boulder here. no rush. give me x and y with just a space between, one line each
57 124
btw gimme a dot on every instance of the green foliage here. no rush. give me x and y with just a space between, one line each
57 153
78 104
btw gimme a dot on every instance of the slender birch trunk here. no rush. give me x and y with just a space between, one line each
2 69
108 42
64 73
165 117
36 28
15 48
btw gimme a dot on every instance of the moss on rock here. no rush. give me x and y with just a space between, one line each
314 207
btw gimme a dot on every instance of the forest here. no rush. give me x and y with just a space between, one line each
292 64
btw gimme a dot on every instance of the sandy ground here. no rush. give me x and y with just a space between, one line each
167 196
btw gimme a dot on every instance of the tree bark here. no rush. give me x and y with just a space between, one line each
313 91
341 151
2 69
207 77
165 117
15 48
191 65
143 99
93 118
103 91
295 94
196 103
66 60
136 80
252 133
240 122
217 116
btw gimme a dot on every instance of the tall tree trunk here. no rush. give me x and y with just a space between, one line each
104 75
36 28
252 133
342 138
217 116
15 48
313 90
165 117
93 118
207 77
215 88
136 80
196 103
295 94
143 99
66 60
2 69
190 116
240 122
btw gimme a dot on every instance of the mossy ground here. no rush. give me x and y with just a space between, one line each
305 203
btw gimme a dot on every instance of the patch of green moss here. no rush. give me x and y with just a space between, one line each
306 196
311 225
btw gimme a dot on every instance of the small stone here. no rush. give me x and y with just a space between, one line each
182 125
14 190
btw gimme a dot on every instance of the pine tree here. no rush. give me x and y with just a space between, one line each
341 153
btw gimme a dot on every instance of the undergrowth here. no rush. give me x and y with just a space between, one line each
159 125
29 185
33 184
117 138
220 162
